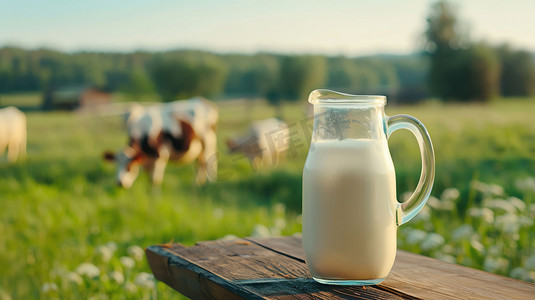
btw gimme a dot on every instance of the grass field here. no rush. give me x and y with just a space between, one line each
68 232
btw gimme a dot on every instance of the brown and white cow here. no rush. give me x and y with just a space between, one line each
12 133
181 131
265 144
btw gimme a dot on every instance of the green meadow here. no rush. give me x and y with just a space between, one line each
68 232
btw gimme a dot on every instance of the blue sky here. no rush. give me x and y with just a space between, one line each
356 27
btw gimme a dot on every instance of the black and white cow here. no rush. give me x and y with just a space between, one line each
181 131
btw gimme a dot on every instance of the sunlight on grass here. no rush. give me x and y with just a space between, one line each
69 232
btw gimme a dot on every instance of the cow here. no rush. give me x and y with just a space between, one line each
12 133
181 131
265 144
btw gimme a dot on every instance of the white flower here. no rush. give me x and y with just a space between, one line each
136 252
487 189
519 204
105 253
520 273
524 221
117 276
280 223
145 280
49 287
111 245
88 270
526 184
450 194
127 262
130 287
435 203
500 205
74 278
463 232
228 237
432 241
415 236
530 263
484 213
495 265
477 246
508 223
279 209
260 231
218 213
424 214
446 258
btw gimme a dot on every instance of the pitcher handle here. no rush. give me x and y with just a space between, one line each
408 209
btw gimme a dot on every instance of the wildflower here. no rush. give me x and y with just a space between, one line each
105 253
424 214
450 194
477 246
524 221
260 231
415 236
526 184
74 278
145 280
508 223
218 213
517 203
500 205
280 223
495 265
530 263
279 208
487 189
88 270
49 287
130 287
463 232
111 245
127 262
136 252
432 241
484 213
117 276
520 273
435 203
228 237
446 258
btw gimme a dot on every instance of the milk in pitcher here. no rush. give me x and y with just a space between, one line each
349 206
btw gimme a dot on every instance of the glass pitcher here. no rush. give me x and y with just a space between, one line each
350 211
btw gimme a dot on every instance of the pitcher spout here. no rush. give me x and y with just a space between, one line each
324 96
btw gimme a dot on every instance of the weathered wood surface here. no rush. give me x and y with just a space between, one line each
274 268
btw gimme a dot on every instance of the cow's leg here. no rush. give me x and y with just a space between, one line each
209 156
159 167
12 151
201 168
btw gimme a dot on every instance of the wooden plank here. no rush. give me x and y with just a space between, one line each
245 270
428 278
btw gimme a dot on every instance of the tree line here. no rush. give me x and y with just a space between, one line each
185 73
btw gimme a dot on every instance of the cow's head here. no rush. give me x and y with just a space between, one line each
128 161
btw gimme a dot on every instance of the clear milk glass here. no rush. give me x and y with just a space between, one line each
350 210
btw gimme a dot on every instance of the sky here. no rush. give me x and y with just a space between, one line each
333 27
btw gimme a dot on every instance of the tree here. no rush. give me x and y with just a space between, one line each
189 74
458 70
518 72
299 75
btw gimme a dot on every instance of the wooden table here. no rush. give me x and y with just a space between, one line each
274 268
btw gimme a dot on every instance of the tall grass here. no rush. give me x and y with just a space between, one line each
60 208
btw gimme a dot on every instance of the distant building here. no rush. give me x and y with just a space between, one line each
71 98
